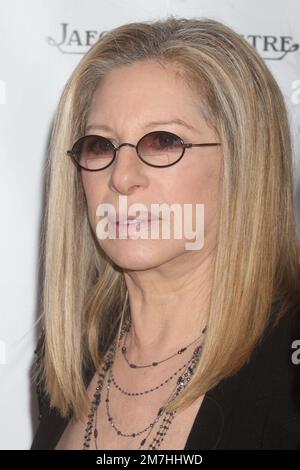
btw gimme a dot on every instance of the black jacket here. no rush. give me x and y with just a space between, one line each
257 408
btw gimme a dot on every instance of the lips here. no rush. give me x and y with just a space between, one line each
130 219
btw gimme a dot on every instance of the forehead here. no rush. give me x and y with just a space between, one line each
145 89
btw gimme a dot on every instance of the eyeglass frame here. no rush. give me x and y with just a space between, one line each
185 145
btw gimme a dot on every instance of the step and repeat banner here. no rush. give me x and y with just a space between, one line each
41 41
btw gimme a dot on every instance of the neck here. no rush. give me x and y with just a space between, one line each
167 312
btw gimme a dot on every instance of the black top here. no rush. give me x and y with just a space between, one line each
257 408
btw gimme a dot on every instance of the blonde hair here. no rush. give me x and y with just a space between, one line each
85 297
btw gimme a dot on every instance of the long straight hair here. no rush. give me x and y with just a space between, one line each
85 298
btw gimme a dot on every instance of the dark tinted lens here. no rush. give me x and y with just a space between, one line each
160 148
93 152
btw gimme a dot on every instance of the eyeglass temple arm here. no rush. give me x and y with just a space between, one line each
202 145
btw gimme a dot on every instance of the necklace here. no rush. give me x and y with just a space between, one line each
134 394
106 370
153 364
151 425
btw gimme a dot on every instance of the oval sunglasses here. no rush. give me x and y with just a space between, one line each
158 149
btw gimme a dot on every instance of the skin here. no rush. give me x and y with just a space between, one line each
168 285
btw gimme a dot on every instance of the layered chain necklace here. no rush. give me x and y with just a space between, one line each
186 371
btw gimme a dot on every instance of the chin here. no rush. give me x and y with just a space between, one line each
140 255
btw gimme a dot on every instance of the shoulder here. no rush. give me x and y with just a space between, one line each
43 402
51 423
270 368
276 382
272 359
261 402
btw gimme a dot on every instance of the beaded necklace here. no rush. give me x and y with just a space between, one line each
167 417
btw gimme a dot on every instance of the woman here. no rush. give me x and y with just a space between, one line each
146 343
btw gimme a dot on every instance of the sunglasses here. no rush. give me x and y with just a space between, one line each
159 149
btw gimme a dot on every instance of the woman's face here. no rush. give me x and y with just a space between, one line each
129 98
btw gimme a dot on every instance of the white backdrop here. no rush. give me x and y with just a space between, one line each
40 44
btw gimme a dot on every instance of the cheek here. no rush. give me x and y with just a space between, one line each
196 184
195 187
93 193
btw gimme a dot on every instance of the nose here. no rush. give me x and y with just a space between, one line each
128 172
125 143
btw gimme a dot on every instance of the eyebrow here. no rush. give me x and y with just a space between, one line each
177 121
